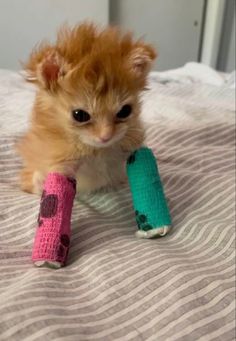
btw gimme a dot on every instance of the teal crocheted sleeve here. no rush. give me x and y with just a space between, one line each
147 191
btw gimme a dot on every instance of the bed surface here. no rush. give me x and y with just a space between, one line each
116 287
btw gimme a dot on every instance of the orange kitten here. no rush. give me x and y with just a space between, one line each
85 119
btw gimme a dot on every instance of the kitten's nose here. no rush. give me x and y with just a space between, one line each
106 134
105 139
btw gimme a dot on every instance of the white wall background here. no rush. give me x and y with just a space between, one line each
173 26
25 22
230 58
226 55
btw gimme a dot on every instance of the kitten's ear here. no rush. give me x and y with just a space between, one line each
141 58
51 69
46 67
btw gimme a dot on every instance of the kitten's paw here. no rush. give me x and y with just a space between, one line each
154 233
48 264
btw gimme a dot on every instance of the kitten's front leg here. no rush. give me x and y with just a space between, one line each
32 181
68 168
52 240
151 209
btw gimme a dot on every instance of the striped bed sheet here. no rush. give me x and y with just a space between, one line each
116 287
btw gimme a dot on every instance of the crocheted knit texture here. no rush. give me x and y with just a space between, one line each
52 238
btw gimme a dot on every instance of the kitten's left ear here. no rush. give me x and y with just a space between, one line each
141 58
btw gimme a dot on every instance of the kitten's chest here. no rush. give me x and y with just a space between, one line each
107 169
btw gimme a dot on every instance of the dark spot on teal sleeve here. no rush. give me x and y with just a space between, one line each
142 218
142 221
131 159
147 227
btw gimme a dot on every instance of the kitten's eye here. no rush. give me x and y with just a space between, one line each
80 115
124 112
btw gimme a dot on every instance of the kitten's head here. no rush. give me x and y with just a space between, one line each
89 83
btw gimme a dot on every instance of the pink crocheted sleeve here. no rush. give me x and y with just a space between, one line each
52 238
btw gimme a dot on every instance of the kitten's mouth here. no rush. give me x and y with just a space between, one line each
102 144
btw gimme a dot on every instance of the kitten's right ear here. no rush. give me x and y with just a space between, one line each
141 58
45 67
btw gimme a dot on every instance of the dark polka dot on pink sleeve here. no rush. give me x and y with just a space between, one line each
48 207
60 251
65 240
72 181
43 195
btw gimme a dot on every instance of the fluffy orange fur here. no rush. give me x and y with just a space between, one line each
97 71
